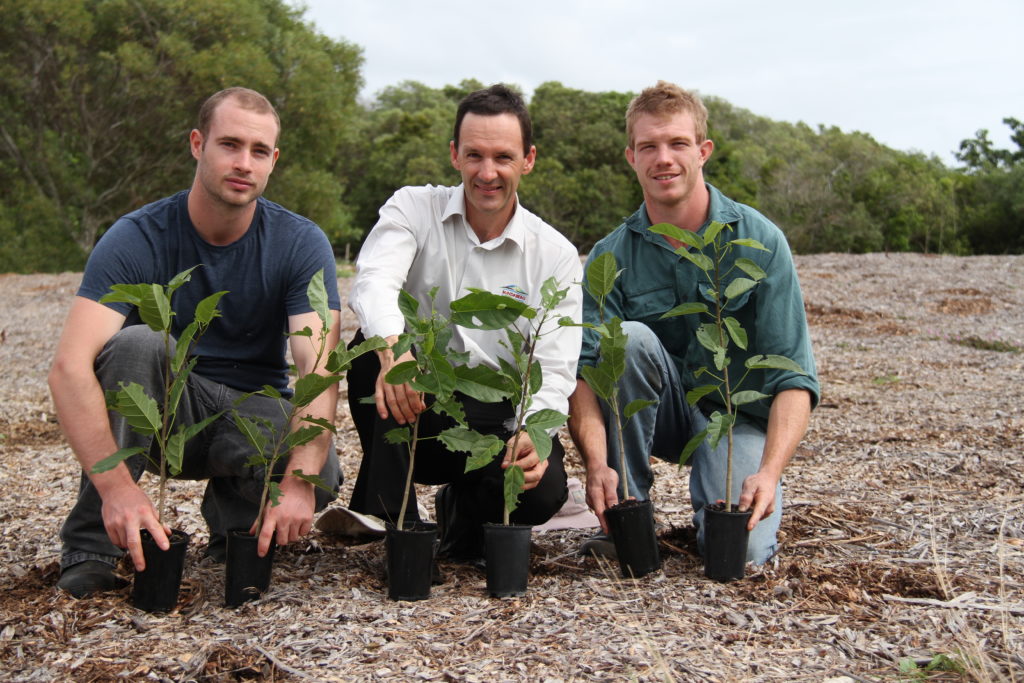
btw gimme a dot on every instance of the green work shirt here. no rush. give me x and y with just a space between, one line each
655 279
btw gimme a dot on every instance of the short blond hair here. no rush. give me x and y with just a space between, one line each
664 99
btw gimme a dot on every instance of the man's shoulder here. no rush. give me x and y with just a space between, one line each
157 213
423 195
278 216
545 233
727 210
621 235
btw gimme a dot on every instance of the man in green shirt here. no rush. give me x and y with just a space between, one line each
668 146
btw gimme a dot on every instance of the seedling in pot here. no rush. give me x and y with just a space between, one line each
270 444
518 378
631 523
144 414
726 279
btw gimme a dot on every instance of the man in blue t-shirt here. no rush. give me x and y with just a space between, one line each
264 257
668 146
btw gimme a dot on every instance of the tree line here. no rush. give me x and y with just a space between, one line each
98 97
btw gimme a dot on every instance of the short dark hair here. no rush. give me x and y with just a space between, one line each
497 99
246 99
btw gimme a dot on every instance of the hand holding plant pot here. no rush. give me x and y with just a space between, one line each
630 522
712 255
150 418
250 552
518 379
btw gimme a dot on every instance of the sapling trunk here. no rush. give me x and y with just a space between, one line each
506 516
622 444
408 475
724 341
165 428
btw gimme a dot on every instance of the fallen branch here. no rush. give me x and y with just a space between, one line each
952 604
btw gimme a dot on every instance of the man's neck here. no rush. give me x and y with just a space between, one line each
218 223
488 226
689 215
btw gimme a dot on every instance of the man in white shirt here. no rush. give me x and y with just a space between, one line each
454 238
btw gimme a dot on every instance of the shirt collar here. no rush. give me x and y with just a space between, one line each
721 209
514 232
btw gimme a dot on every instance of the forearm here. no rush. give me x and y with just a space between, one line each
82 413
788 419
587 428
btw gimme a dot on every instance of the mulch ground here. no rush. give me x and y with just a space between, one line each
903 536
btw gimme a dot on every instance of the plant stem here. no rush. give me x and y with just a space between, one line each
408 475
723 340
622 446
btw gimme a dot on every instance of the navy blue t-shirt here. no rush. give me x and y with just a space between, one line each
265 272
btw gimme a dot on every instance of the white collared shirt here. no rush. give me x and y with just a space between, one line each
423 240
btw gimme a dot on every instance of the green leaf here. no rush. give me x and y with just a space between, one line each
551 295
686 309
702 261
691 446
274 493
685 236
410 308
744 397
314 479
482 448
771 362
250 429
178 385
486 311
751 268
449 405
206 310
111 461
402 373
635 406
718 427
180 279
398 435
708 337
321 422
155 308
482 383
712 231
316 293
139 410
738 287
546 420
736 332
599 380
302 436
697 393
747 242
340 359
183 346
309 387
514 481
601 276
541 441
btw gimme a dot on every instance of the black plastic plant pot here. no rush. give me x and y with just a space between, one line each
155 589
410 560
631 524
507 551
725 542
246 574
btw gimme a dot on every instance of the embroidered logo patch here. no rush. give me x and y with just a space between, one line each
514 291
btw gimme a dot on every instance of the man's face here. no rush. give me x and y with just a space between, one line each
236 156
491 161
667 158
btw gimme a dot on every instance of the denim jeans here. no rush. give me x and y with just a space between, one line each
662 430
219 453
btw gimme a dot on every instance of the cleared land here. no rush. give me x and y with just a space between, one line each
903 535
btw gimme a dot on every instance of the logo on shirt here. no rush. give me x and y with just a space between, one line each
514 291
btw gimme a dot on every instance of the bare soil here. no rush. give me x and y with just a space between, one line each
903 535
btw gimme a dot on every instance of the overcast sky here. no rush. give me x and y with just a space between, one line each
915 75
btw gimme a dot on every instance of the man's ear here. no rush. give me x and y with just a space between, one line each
629 157
454 154
706 148
530 160
195 143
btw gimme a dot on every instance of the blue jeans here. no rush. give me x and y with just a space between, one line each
219 453
662 430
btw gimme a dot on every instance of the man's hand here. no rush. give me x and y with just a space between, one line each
399 400
526 457
759 494
602 491
291 519
125 511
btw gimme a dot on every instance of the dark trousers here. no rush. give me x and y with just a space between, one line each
478 494
219 453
